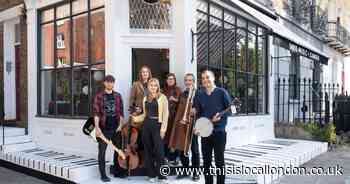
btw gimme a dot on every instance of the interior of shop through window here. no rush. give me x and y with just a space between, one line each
72 50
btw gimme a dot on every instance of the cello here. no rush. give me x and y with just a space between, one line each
129 136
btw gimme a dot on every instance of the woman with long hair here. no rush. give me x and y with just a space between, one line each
139 90
172 92
155 120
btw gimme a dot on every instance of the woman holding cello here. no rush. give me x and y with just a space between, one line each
155 119
182 136
172 92
138 92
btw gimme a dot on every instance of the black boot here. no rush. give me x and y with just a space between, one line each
105 178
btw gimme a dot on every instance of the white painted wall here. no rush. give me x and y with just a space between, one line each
10 77
347 73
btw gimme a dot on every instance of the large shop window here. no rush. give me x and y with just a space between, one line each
72 57
235 49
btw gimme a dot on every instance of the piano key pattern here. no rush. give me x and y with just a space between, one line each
71 167
277 153
79 169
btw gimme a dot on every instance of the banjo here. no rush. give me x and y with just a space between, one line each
204 126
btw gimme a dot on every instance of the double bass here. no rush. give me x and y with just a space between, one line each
182 131
129 136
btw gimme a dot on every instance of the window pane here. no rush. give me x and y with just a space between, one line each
261 54
47 93
215 24
215 11
242 91
97 36
47 15
80 40
252 28
241 48
252 59
202 22
96 3
154 16
63 11
63 43
97 75
215 45
241 22
261 94
47 45
229 49
252 95
81 91
79 6
229 81
228 17
63 92
202 49
202 5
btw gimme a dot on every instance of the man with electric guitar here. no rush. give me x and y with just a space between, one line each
108 112
212 105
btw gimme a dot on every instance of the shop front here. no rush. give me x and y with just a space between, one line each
72 45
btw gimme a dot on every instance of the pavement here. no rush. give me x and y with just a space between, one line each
340 156
8 176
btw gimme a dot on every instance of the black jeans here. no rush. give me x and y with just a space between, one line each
153 148
216 142
102 146
185 160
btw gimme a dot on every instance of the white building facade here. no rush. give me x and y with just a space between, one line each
73 44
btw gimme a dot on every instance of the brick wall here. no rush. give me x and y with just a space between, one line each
23 74
5 4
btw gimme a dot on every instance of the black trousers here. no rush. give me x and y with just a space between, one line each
153 148
102 146
215 142
185 160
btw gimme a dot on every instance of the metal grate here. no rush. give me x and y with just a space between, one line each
156 16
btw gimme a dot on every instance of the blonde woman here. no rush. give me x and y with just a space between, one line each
155 120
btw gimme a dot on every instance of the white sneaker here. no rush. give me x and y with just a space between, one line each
152 180
163 181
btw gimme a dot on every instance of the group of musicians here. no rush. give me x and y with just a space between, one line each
164 119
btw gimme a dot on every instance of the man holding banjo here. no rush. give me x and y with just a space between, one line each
212 105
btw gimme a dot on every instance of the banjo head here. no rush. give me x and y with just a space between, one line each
204 126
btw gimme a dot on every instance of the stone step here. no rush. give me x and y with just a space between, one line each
11 131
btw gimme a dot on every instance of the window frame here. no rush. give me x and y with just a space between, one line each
88 12
206 64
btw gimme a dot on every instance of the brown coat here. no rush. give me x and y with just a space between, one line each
136 94
175 92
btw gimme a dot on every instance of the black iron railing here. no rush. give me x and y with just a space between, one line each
336 32
304 100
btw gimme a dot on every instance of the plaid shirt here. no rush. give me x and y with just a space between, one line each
98 107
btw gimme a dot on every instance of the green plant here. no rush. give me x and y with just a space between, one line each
326 133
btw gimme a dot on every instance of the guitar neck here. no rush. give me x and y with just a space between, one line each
225 111
120 153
